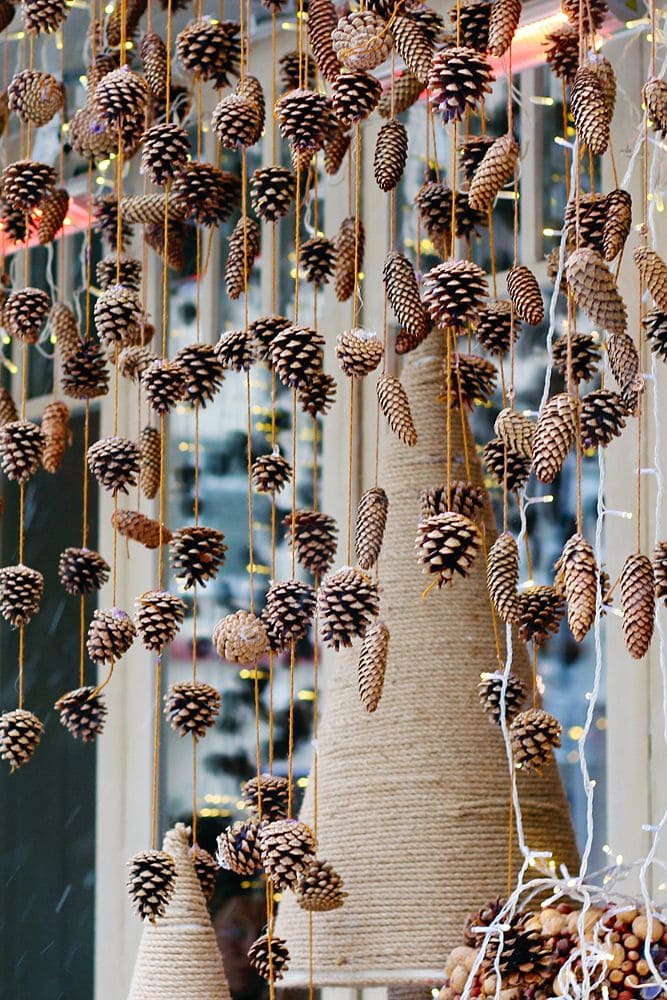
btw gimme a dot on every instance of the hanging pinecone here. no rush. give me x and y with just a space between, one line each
322 21
242 248
490 690
561 48
177 233
146 208
361 40
525 294
304 117
205 193
654 95
516 431
191 707
317 258
210 49
314 537
617 223
196 554
320 888
602 418
271 473
296 70
317 395
140 528
472 151
24 313
165 384
453 291
447 544
238 849
590 15
395 405
638 588
580 584
655 329
118 316
471 19
20 593
165 151
150 461
295 354
110 635
120 96
16 224
25 184
369 526
83 713
204 373
288 612
272 790
503 22
372 665
134 360
354 96
158 617
584 356
236 350
154 57
234 122
336 147
21 446
402 289
287 847
391 153
495 170
105 222
119 270
359 352
114 461
84 373
54 213
624 363
495 327
347 602
506 465
590 111
151 883
434 204
272 191
206 870
8 411
269 957
653 273
264 330
542 609
82 570
20 734
472 379
406 89
65 329
584 220
461 497
55 428
459 78
534 734
502 577
555 432
350 243
414 45
240 638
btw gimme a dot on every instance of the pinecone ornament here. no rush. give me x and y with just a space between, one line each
22 446
271 473
134 360
502 577
369 526
177 233
114 461
238 849
152 208
272 191
471 379
654 94
602 418
523 957
240 638
525 294
655 328
55 428
25 184
105 222
8 411
350 244
652 272
361 40
359 352
121 96
20 734
272 790
516 431
320 888
434 204
82 570
24 313
191 707
196 554
471 153
314 538
447 544
317 259
555 431
288 613
347 602
495 327
54 213
165 384
153 52
391 153
287 847
110 635
138 527
204 373
472 23
395 405
490 691
158 617
590 15
590 110
496 168
317 395
165 151
206 870
542 609
119 270
461 497
83 713
506 465
624 362
151 883
453 292
534 734
65 329
584 220
296 69
205 194
403 92
269 957
372 665
84 373
264 331
459 78
234 122
561 48
296 354
354 96
336 148
402 289
617 223
20 593
242 248
118 316
414 45
322 22
503 22
304 118
236 350
210 49
584 356
638 587
580 583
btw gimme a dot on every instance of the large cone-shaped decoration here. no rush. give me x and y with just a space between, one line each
178 956
413 800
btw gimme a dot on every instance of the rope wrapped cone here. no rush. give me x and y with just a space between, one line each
178 956
413 763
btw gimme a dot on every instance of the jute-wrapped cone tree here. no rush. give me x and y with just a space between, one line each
413 799
178 957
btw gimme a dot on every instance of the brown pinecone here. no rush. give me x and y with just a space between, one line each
555 432
654 95
22 447
359 352
624 363
585 219
459 78
322 21
361 40
590 15
462 497
204 373
472 23
295 354
271 473
82 712
494 326
55 428
472 379
20 733
320 888
91 138
584 354
304 118
24 313
236 350
655 329
524 957
505 464
402 289
589 108
453 291
165 384
317 259
347 602
516 431
240 638
191 707
177 233
391 153
414 45
472 151
602 418
205 193
503 22
490 690
120 96
406 91
660 570
54 212
249 88
151 883
525 294
153 53
119 269
139 528
196 554
534 734
502 577
206 870
82 570
287 847
296 70
317 395
653 273
314 537
369 526
8 411
118 316
264 330
434 204
234 122
150 208
238 850
134 360
110 635
542 609
272 191
269 956
16 224
495 170
165 151
43 15
580 584
395 405
114 461
20 593
158 617
354 96
372 665
336 147
561 47
617 223
288 612
210 49
638 591
131 13
105 222
447 544
473 930
273 790
84 373
65 330
242 248
350 243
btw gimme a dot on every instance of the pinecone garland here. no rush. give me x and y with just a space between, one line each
114 461
447 544
503 22
83 713
320 888
395 405
506 465
272 790
271 473
317 395
55 428
413 45
406 89
590 15
234 122
391 153
240 638
322 22
655 329
288 612
20 734
516 431
20 593
236 350
402 289
296 354
158 617
555 432
110 635
347 602
369 527
602 418
24 313
165 384
304 118
590 111
151 883
617 223
372 665
580 583
54 212
191 707
350 243
138 527
637 584
84 373
314 537
81 571
196 554
165 151
269 956
22 446
272 191
359 352
204 373
361 40
459 78
317 259
495 328
561 47
595 290
238 850
287 847
652 272
502 577
453 291
242 248
654 94
496 168
584 356
534 734
542 609
524 292
490 690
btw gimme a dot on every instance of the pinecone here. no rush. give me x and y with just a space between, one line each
273 790
504 464
502 577
516 431
472 23
534 734
21 445
347 601
120 96
264 330
542 609
604 71
406 91
359 352
154 57
296 70
322 22
140 528
271 473
203 370
93 139
320 888
16 224
617 223
83 713
602 418
240 638
453 292
238 850
196 554
317 395
288 613
369 526
210 49
585 219
561 48
391 153
118 316
354 96
20 593
459 78
525 294
414 45
236 350
580 584
55 421
590 111
205 193
134 360
395 405
317 258
496 168
105 216
82 570
350 243
655 329
585 356
624 363
524 956
447 544
462 497
314 537
652 272
20 733
269 956
165 151
151 208
472 379
151 883
555 432
8 411
272 191
503 22
434 204
119 270
158 617
660 570
490 689
403 295
191 707
654 96
43 15
472 151
165 384
131 14
287 847
494 326
24 313
84 373
110 635
372 665
54 212
177 233
234 122
242 248
361 40
206 870
336 147
304 118
590 15
65 329
114 461
296 353
473 930
638 592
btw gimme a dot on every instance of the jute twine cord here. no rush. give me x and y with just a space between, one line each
412 800
178 956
